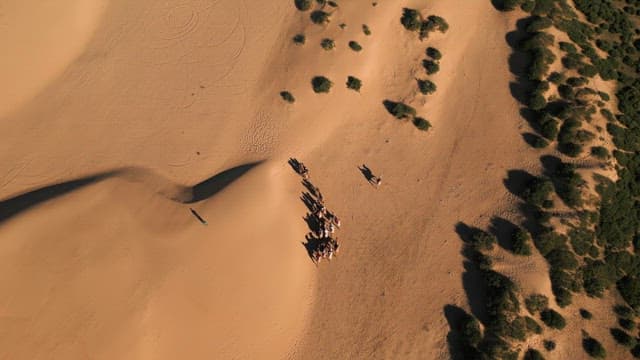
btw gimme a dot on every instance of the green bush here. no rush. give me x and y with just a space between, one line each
421 123
586 314
549 345
533 354
556 78
470 330
536 302
399 110
299 39
354 83
411 19
600 152
303 5
548 241
433 23
321 84
508 5
533 326
327 44
355 46
434 53
597 277
537 101
482 240
622 338
320 17
287 96
593 348
539 23
552 319
537 191
629 288
521 242
426 87
626 324
623 311
366 30
431 66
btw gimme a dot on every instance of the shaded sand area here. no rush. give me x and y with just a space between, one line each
159 116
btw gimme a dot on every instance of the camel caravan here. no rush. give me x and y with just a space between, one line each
321 243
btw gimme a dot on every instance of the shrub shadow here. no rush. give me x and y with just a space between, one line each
472 280
454 316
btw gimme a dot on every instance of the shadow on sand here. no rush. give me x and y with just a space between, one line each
201 191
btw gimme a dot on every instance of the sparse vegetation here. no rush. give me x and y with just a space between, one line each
399 110
303 5
299 39
521 242
536 302
549 345
533 354
320 17
426 87
327 44
552 319
593 348
321 84
421 123
366 30
354 83
287 96
355 46
585 314
431 66
434 53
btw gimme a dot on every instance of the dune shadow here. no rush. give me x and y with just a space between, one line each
15 205
472 279
216 183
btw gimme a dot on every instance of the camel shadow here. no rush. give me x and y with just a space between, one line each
366 172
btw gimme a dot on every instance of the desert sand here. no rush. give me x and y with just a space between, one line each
118 118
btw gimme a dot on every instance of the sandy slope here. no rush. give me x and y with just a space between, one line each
161 96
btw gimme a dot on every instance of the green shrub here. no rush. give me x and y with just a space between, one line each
366 30
426 87
568 47
327 44
548 241
629 289
538 142
411 19
627 324
431 66
623 311
533 326
536 302
556 78
354 83
355 46
321 84
320 17
399 110
552 319
521 242
539 23
533 354
287 96
586 314
537 102
433 23
549 345
600 152
299 39
482 240
508 5
597 277
622 338
421 123
303 5
470 330
635 352
537 191
434 53
593 348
